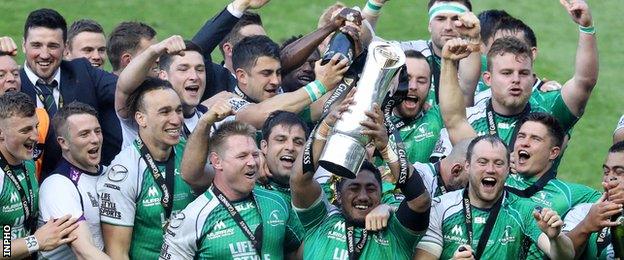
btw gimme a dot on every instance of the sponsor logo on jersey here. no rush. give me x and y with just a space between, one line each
380 239
542 197
479 220
244 250
152 198
117 173
177 220
108 208
508 236
219 225
274 219
457 230
93 200
422 132
14 197
152 192
340 254
337 232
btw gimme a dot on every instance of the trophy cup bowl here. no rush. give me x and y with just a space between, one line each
345 150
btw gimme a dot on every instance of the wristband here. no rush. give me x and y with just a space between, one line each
323 131
32 244
588 30
388 154
372 7
315 90
413 187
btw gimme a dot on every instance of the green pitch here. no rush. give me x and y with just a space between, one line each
403 20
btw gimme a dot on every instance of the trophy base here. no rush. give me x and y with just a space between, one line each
343 155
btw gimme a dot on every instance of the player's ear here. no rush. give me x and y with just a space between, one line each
487 78
264 146
457 169
215 160
62 143
241 76
554 153
139 117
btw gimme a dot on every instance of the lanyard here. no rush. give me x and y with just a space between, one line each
389 104
256 239
438 176
489 223
355 250
28 201
537 186
493 127
165 184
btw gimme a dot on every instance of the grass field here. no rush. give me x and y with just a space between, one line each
402 20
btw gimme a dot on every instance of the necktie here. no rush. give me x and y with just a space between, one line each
45 95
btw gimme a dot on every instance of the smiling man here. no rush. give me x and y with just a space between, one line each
72 186
510 76
182 64
142 188
52 82
85 39
234 218
463 222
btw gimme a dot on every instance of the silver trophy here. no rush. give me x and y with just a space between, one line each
345 150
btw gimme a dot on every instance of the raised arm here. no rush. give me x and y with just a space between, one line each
215 29
328 75
577 90
598 217
194 170
451 99
136 71
415 208
552 242
468 27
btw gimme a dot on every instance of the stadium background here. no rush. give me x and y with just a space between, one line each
556 35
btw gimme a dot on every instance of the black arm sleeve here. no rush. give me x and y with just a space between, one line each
415 221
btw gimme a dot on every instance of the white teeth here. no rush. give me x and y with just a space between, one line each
363 207
173 131
489 179
287 158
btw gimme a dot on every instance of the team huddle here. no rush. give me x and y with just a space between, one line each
173 156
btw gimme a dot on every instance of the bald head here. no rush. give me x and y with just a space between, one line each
458 153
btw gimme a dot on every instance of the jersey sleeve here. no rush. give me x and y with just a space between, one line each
180 236
432 241
406 237
560 110
294 232
583 194
426 174
117 192
313 216
238 104
575 216
58 197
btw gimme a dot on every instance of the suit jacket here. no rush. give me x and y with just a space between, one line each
208 37
82 82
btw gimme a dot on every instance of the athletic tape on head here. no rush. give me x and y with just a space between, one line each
446 7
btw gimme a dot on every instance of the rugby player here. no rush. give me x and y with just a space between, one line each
258 72
85 39
588 225
142 188
510 76
330 230
182 64
19 190
446 175
234 218
72 186
463 222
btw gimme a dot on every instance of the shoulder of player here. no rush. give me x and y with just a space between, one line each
538 98
54 181
272 198
126 167
447 203
417 45
476 112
